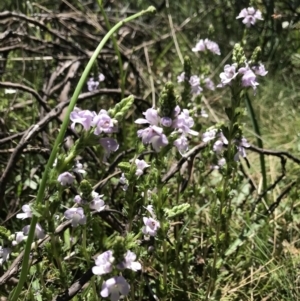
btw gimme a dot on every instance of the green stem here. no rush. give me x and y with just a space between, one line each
235 103
122 77
58 141
259 140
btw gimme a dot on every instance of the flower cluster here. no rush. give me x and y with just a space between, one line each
96 204
101 123
92 85
248 75
222 142
66 178
19 236
250 15
195 82
117 285
76 215
207 44
154 133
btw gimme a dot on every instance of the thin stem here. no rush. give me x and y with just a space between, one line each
235 102
58 141
259 140
122 75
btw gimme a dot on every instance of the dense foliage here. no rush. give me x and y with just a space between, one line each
161 166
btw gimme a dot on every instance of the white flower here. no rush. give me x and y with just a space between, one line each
151 226
140 165
129 262
181 77
101 77
79 168
76 215
97 203
27 212
19 236
124 182
150 209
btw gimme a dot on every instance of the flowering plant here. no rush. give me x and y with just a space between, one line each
145 200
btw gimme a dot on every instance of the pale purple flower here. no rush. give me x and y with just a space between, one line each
151 226
83 117
221 162
207 44
104 123
115 287
181 144
97 203
209 84
65 178
219 144
76 215
166 121
4 254
151 117
209 135
103 263
241 145
129 262
78 199
212 46
27 212
195 85
19 237
200 46
228 75
181 77
92 85
177 111
110 145
248 78
101 77
260 70
39 232
153 135
250 15
183 122
140 166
